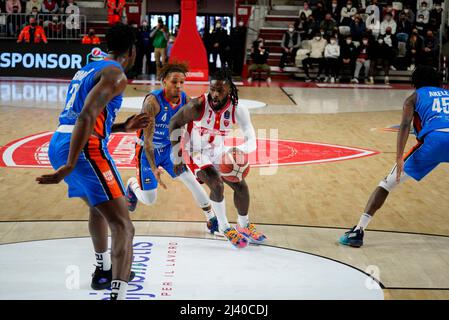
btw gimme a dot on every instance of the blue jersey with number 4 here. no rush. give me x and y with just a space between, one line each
432 107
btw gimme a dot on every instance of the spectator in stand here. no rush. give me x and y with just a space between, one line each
319 13
335 11
259 56
358 28
348 54
33 14
90 38
50 6
414 50
403 29
10 4
301 25
424 11
33 4
291 41
409 14
328 25
115 11
347 14
14 23
316 56
332 56
430 51
392 42
380 55
420 2
388 22
435 17
160 39
306 9
363 59
373 9
32 33
389 10
55 27
312 27
421 26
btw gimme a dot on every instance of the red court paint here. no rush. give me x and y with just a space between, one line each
31 152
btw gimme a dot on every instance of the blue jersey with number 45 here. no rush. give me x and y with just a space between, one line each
432 109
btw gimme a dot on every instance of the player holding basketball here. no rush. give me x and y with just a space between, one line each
78 151
209 120
428 108
153 147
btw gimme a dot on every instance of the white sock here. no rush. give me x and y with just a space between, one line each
103 260
243 221
220 212
119 289
364 220
208 212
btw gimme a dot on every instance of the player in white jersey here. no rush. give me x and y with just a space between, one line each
209 119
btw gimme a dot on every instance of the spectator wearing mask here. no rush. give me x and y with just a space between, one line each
50 6
328 25
389 10
32 33
306 9
55 27
10 4
424 11
373 9
421 25
430 49
90 38
115 11
316 56
435 17
388 22
347 13
319 13
332 56
380 55
348 54
259 56
33 4
291 41
363 59
302 26
312 26
335 11
414 50
403 29
160 40
238 39
14 22
144 47
409 14
419 3
358 28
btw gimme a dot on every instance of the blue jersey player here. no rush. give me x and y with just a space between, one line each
153 147
78 152
428 109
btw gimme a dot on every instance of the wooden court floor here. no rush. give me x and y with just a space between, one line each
305 207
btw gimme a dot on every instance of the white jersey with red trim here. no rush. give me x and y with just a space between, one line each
211 129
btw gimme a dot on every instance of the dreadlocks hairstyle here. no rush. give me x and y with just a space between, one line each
426 76
171 68
225 75
120 39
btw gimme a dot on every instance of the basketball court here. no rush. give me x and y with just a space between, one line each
334 144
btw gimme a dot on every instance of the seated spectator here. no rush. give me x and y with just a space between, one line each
32 33
414 50
389 10
348 54
347 13
388 22
332 56
55 27
363 59
316 56
50 6
403 29
335 11
328 25
10 4
373 9
421 25
290 44
33 4
357 28
409 14
312 26
33 14
259 56
14 23
420 2
380 55
424 11
306 9
90 38
319 13
430 49
436 17
301 25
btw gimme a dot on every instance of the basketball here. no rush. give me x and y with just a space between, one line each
234 165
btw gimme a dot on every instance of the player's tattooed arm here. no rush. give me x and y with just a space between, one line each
404 130
151 108
112 83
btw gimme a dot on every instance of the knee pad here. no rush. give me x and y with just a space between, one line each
389 183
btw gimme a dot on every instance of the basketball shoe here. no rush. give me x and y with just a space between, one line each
131 199
251 233
212 227
235 238
102 279
353 238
